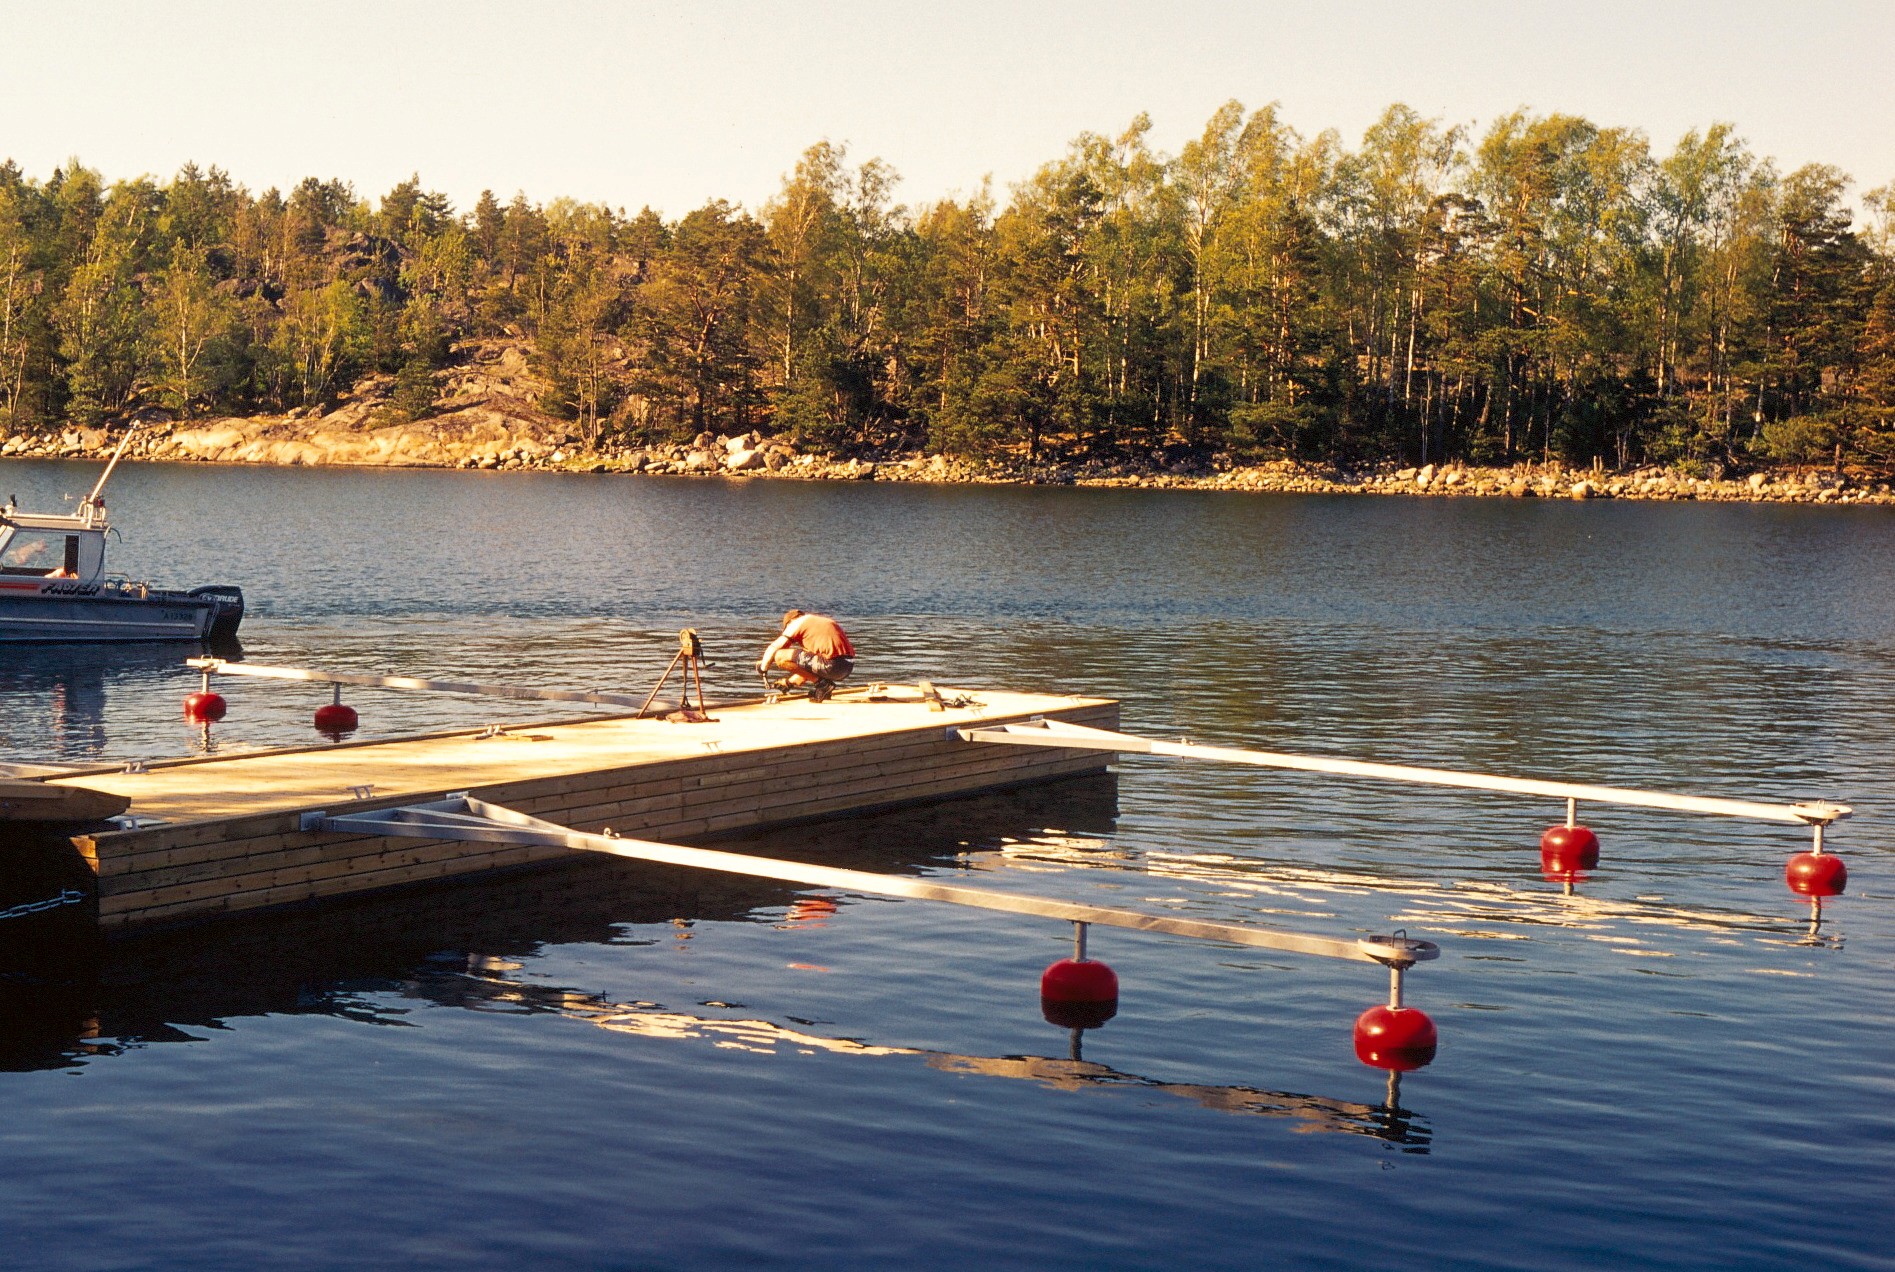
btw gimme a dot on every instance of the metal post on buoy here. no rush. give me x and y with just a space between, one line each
335 719
1816 874
1079 992
1396 1037
1816 901
204 707
1572 813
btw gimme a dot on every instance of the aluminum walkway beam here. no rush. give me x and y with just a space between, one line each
224 667
1056 733
462 817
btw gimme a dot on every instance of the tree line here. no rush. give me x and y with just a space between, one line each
1548 289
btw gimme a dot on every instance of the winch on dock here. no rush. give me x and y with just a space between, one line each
219 835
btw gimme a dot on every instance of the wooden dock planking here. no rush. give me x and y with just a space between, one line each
230 838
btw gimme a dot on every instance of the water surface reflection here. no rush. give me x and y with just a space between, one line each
557 1070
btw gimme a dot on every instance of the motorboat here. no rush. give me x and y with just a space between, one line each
54 588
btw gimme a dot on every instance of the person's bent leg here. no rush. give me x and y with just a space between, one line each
793 663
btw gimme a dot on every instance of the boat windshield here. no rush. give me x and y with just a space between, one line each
39 552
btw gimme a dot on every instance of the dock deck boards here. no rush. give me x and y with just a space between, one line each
229 837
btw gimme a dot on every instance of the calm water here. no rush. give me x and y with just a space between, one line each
609 1066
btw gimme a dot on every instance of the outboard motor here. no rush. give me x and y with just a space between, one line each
226 611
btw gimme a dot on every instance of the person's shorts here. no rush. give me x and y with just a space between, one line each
818 666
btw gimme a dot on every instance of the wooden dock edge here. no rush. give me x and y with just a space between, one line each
197 871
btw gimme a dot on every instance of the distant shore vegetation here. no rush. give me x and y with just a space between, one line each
1544 289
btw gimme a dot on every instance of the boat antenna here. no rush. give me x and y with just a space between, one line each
91 502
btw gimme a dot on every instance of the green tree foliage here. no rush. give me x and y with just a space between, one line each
25 326
412 397
1540 288
323 335
1868 431
99 316
189 319
590 303
696 322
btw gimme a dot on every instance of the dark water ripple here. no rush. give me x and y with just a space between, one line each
605 1066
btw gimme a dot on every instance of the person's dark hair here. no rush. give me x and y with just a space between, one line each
790 616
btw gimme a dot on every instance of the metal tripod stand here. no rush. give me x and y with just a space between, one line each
691 655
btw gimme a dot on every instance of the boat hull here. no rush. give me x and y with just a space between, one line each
203 615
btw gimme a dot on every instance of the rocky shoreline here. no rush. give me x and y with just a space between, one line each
515 445
493 433
485 415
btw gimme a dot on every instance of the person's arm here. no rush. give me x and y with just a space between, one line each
788 637
763 661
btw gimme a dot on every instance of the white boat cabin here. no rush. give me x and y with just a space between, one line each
57 547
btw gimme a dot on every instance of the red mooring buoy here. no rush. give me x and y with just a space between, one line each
1079 980
1816 874
1566 849
1079 993
335 719
205 707
1395 1038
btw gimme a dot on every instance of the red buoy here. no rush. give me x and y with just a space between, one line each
1077 1015
1396 1038
1079 993
205 707
336 719
1079 981
1816 874
1565 849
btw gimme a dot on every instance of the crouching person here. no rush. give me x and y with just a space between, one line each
813 652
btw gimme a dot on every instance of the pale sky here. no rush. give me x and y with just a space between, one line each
674 104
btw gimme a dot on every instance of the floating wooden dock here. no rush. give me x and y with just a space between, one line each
221 835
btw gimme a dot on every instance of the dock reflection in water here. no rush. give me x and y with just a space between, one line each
483 985
339 958
1486 907
454 946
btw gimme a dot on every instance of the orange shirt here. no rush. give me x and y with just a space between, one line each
820 635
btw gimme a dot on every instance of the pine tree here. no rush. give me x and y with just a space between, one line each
1871 439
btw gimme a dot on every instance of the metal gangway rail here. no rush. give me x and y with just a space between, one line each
1060 734
224 667
463 817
